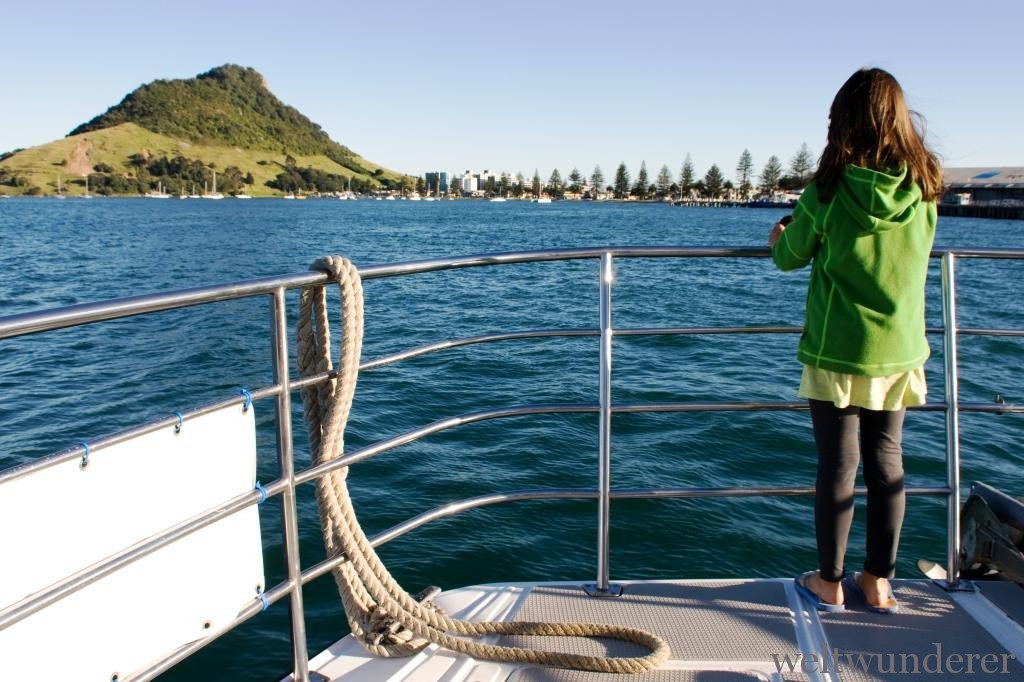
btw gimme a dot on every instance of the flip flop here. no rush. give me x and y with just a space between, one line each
810 596
852 583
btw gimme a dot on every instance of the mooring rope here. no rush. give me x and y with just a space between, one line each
384 618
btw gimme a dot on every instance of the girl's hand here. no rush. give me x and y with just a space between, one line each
775 234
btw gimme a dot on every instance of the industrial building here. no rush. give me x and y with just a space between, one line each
985 192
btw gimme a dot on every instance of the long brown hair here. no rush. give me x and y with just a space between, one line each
871 126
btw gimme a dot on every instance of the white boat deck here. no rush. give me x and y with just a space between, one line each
730 630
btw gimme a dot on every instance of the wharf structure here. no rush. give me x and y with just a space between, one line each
990 192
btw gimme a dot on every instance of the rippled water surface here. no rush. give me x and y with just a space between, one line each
60 388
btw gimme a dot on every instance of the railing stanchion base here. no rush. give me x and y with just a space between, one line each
594 591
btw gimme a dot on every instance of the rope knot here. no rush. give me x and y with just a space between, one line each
336 267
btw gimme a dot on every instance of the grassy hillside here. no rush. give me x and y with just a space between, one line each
224 120
74 156
229 105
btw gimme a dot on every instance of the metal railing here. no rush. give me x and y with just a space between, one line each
276 287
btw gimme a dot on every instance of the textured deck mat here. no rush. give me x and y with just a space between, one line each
1007 595
930 631
719 621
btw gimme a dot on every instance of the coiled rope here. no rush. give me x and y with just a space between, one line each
385 619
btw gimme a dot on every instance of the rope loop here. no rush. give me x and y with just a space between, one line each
383 617
262 492
248 399
181 421
85 456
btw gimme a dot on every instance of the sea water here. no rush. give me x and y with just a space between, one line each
61 388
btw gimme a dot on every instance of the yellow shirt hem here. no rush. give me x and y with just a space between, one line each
890 393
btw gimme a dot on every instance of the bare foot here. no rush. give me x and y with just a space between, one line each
877 591
827 591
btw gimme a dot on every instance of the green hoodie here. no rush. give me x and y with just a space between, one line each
865 301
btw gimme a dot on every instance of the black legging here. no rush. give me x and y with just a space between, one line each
839 449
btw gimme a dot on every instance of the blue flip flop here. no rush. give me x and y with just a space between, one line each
811 597
852 583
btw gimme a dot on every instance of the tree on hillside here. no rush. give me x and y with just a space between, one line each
744 172
664 182
519 186
687 176
640 188
535 185
555 188
802 164
290 180
421 185
770 175
621 186
713 181
596 181
575 181
504 184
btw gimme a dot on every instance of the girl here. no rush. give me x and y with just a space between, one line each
866 223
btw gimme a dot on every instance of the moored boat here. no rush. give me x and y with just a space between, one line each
159 192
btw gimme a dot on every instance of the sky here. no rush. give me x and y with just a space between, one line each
522 86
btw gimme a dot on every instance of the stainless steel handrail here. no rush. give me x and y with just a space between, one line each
34 322
952 421
604 433
86 313
286 464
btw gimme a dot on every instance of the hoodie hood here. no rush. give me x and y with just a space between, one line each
875 199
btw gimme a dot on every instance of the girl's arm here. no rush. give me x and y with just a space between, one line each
779 229
794 245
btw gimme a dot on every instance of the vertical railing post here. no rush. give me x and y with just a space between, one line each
952 421
602 588
289 513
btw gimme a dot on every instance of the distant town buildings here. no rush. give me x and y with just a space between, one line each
437 183
990 187
473 183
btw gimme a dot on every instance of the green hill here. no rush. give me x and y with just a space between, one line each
179 132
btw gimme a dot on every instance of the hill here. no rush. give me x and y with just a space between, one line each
179 132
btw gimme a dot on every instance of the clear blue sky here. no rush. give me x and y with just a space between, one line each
521 85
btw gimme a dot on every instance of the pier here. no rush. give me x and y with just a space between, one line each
999 212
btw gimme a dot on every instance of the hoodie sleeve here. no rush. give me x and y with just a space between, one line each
799 242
